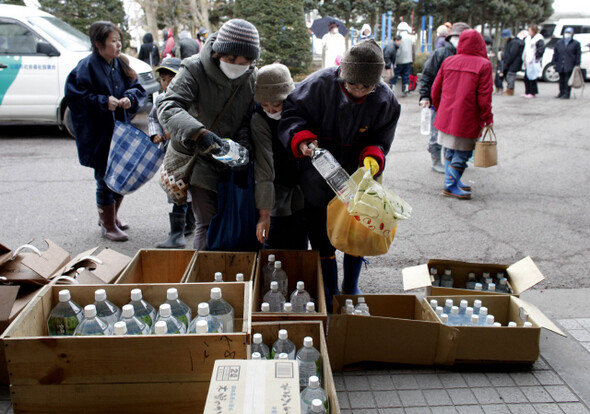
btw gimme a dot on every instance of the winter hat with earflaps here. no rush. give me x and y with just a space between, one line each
363 63
273 83
238 37
456 29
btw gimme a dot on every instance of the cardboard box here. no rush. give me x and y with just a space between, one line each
297 331
205 265
477 344
158 266
99 266
299 265
396 332
149 374
254 387
521 276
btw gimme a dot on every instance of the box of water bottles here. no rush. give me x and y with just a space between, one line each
90 348
288 286
391 328
158 266
230 264
304 342
491 328
450 277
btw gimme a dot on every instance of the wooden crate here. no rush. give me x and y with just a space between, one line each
299 265
158 266
150 374
206 264
297 331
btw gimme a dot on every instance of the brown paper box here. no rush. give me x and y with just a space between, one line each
102 267
205 265
158 266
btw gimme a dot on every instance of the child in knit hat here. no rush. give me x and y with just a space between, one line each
280 225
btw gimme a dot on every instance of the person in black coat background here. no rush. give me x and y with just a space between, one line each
512 60
149 52
566 54
389 55
102 88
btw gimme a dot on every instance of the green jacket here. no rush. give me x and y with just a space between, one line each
195 97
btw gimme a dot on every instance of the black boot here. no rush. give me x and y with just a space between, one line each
190 226
176 238
330 277
352 271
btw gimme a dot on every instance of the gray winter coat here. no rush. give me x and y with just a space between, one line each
195 97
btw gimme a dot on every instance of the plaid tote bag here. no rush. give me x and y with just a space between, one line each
133 159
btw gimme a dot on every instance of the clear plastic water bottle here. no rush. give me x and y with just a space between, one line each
280 276
466 318
487 282
434 277
179 309
446 280
173 324
474 320
65 316
105 309
143 310
283 344
489 320
444 318
274 298
300 297
231 153
160 328
471 281
317 407
267 272
336 176
218 277
135 326
239 277
203 315
221 309
425 121
448 306
350 310
502 286
313 391
499 276
287 307
462 307
360 303
483 313
259 346
433 304
309 362
265 307
484 277
345 307
310 307
454 318
92 324
476 306
120 329
439 310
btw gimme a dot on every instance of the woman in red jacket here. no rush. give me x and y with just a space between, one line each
462 96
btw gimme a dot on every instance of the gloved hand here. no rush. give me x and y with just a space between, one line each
372 165
209 142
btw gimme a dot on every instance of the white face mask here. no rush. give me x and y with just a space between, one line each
276 116
567 36
454 41
334 31
231 70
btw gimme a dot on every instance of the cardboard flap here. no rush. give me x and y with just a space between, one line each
113 263
49 261
7 299
5 254
77 261
416 277
446 348
537 316
524 274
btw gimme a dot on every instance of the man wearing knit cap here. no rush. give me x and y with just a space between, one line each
211 99
352 114
280 225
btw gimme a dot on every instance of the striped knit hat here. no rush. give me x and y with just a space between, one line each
238 37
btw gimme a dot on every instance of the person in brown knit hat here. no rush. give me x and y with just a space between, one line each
353 114
280 200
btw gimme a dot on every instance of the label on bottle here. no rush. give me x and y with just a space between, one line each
326 164
306 370
62 326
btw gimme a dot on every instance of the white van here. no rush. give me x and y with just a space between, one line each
37 53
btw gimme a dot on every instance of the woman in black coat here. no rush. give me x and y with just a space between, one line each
100 89
149 52
566 55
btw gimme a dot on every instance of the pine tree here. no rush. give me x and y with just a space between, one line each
284 38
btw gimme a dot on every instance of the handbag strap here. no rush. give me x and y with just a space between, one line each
489 132
227 104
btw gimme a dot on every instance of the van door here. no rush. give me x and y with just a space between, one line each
28 79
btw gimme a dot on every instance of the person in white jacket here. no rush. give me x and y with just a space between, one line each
532 54
333 45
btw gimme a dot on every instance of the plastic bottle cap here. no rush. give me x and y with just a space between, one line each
161 328
449 303
497 324
439 310
172 294
475 319
483 311
469 311
316 405
300 285
314 381
433 271
444 318
127 311
239 277
120 328
283 356
512 324
271 258
486 274
455 310
503 281
278 264
64 295
256 356
490 319
283 334
471 275
492 287
257 338
463 303
358 312
361 299
308 342
310 306
203 309
447 272
89 311
165 310
100 295
478 286
215 293
288 307
434 303
136 294
348 302
202 326
477 303
528 325
274 286
265 307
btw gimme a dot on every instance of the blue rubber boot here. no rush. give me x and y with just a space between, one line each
352 270
462 186
452 179
330 276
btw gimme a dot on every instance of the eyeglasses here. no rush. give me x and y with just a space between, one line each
351 86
